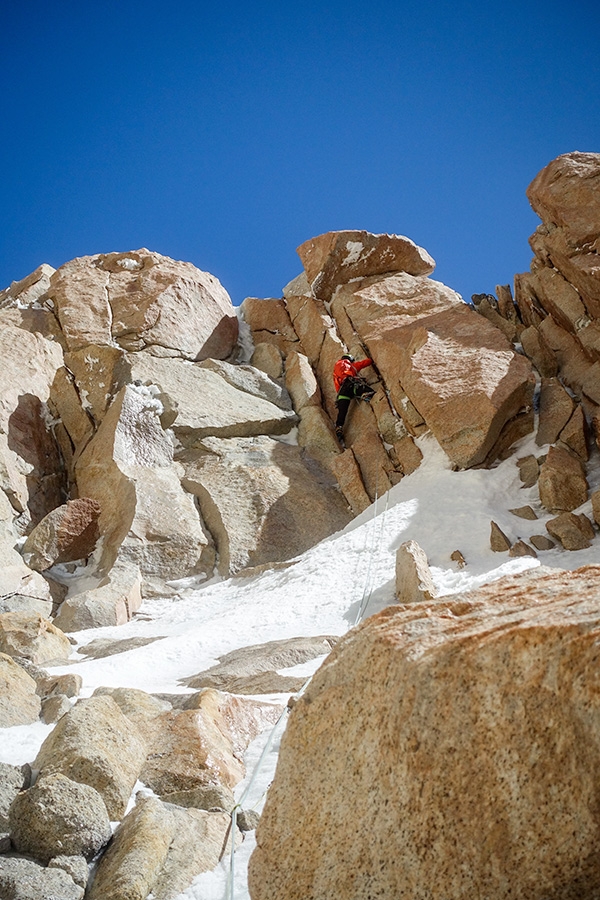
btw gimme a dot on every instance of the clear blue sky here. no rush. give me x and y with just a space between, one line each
228 133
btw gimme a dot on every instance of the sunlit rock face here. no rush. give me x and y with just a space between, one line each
446 748
560 297
142 300
338 257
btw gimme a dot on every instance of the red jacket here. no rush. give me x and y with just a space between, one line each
345 369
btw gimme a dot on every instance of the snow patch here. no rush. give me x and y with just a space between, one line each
354 248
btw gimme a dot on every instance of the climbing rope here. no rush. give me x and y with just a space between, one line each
376 536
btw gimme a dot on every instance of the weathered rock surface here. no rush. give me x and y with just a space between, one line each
261 499
30 465
146 515
159 850
29 289
59 816
413 575
205 745
460 373
113 601
24 879
259 659
54 708
140 708
575 532
96 744
337 257
269 322
66 534
364 789
22 590
565 193
19 703
12 780
209 400
32 636
562 482
75 866
137 852
142 300
556 408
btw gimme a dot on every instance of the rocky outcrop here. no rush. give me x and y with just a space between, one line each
261 499
436 367
142 300
146 516
338 257
556 313
487 721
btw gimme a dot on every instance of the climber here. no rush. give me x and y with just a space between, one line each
349 385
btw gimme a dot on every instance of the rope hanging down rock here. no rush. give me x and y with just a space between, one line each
366 596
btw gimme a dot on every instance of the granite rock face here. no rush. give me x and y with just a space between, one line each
446 749
95 744
337 257
140 300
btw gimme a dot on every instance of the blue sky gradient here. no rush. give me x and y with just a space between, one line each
228 134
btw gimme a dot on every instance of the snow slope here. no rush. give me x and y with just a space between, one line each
325 591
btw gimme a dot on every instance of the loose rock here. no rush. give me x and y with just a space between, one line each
575 532
59 816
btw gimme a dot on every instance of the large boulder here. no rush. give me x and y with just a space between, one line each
565 194
262 500
59 816
142 300
337 257
562 482
19 703
446 749
96 744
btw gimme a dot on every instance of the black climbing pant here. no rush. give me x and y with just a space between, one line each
350 389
